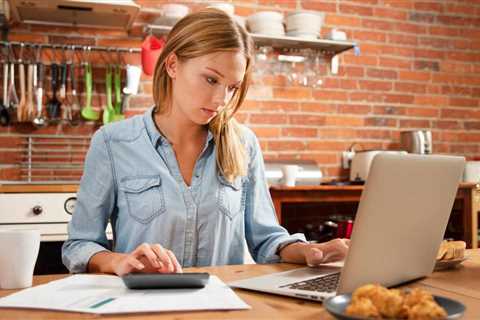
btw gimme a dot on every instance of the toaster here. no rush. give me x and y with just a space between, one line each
361 162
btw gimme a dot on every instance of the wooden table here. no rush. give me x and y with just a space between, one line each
462 284
468 195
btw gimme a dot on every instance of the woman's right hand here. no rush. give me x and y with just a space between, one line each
146 258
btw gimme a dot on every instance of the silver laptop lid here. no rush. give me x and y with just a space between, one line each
401 219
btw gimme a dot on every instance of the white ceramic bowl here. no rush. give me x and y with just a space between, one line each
304 22
175 10
267 16
225 7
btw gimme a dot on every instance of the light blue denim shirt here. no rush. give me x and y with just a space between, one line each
132 179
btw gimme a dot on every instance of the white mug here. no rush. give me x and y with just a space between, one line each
290 174
133 79
18 254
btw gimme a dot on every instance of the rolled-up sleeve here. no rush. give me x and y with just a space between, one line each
95 203
263 233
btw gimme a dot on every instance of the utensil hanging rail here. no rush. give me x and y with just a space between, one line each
70 46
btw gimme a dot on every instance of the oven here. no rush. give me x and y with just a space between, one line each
48 212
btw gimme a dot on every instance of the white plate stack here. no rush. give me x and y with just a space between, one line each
266 22
304 24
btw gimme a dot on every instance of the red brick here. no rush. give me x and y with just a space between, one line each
286 145
327 145
463 102
268 118
469 137
410 28
266 132
402 4
389 110
380 122
278 3
339 21
366 96
446 124
414 76
423 112
344 121
319 5
403 39
351 71
375 85
409 87
312 120
292 93
463 56
279 106
472 125
429 6
356 109
438 101
299 132
374 134
27 37
370 36
353 9
430 54
318 107
361 60
443 31
337 133
389 13
394 63
415 123
330 95
320 158
377 24
456 113
382 73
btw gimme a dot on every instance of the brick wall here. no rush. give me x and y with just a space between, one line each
419 68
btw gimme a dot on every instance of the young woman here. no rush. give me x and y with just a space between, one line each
183 185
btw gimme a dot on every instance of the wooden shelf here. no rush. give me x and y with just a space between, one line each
328 46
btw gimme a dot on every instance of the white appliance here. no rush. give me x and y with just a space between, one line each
82 13
362 160
48 212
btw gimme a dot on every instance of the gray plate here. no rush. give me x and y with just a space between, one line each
337 305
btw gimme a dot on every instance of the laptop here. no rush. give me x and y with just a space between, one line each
400 223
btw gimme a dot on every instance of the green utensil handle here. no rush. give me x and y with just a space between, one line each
88 85
118 89
108 87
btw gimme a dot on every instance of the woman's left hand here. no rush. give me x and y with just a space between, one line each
333 250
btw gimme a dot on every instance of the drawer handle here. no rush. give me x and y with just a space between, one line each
37 210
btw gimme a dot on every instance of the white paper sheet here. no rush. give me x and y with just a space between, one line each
104 294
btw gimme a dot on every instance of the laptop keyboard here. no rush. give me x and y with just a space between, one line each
326 283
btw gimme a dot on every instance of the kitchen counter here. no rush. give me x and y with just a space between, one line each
38 188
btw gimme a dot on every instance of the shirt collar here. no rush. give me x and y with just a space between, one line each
154 134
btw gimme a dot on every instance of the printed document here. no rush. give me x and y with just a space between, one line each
106 294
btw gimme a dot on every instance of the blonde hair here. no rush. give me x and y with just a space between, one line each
197 34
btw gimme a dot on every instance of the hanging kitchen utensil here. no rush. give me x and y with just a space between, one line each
66 112
39 120
75 103
12 92
31 83
4 115
87 111
53 105
22 104
117 82
108 111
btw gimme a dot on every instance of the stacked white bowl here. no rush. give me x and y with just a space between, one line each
171 13
304 24
266 22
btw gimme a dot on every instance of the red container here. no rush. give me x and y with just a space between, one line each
151 49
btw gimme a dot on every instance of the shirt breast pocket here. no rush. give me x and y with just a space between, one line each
231 196
144 197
